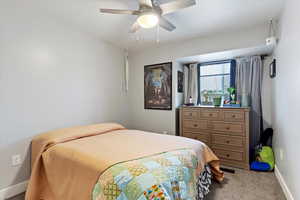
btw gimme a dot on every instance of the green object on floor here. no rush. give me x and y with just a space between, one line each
266 155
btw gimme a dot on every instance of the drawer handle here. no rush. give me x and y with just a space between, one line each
227 155
210 114
195 125
233 116
228 128
227 142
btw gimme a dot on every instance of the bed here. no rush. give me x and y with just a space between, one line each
108 161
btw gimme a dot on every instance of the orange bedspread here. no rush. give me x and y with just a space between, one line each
66 163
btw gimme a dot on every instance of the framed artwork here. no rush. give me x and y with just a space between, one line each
158 86
180 82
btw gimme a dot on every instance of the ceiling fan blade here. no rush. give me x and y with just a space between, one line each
164 23
117 11
176 5
135 27
147 3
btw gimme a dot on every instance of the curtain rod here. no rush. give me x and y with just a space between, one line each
263 56
191 63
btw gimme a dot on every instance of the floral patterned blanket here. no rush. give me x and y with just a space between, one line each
166 176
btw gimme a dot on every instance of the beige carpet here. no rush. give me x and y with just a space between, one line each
247 185
243 185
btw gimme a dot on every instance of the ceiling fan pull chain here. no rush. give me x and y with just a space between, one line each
138 37
155 3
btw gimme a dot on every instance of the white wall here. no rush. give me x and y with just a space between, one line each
286 95
159 121
51 76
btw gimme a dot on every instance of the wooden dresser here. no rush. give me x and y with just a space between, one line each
224 130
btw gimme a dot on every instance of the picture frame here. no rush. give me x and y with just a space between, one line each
158 86
180 77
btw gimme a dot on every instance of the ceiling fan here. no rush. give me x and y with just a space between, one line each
151 13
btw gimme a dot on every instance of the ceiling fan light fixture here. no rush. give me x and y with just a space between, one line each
148 20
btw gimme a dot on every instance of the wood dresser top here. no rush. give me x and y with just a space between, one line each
215 107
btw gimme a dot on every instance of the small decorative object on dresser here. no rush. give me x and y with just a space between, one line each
224 130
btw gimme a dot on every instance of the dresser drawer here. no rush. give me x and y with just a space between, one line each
203 137
189 114
229 155
233 127
234 141
194 125
234 116
210 114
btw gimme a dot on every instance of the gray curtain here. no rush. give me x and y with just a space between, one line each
191 83
249 75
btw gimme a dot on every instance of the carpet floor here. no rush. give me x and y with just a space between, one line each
247 185
243 185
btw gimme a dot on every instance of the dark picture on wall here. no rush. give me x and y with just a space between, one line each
179 81
158 86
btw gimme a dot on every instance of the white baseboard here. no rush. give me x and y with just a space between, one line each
13 190
283 184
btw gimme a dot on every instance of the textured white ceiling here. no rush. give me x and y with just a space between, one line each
207 17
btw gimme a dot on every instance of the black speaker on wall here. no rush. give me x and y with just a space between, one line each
273 69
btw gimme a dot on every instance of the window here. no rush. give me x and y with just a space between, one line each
214 80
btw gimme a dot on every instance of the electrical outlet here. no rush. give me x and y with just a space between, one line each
16 160
281 154
165 132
